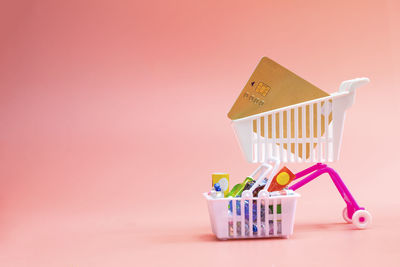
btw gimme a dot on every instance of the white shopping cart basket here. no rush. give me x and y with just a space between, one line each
310 131
290 133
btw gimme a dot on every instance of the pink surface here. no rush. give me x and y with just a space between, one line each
113 117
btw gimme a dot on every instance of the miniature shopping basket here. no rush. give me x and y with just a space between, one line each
310 131
252 217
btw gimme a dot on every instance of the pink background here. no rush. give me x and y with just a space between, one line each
113 117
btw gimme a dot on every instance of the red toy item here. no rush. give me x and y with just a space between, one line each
281 180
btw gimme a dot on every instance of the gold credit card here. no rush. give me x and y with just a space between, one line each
272 86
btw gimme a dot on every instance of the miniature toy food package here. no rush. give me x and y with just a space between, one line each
238 189
281 180
271 86
223 180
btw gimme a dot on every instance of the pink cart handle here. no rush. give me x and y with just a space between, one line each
319 169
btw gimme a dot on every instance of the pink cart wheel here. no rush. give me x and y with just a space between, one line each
345 216
361 219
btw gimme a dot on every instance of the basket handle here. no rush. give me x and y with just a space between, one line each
352 85
262 171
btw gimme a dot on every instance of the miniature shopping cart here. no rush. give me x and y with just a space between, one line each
310 131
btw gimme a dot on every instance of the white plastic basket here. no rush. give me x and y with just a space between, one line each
272 216
262 136
232 223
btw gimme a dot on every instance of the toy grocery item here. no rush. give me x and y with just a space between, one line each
282 193
223 180
278 182
238 189
216 191
281 180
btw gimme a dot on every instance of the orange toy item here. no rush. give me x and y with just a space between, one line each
281 180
